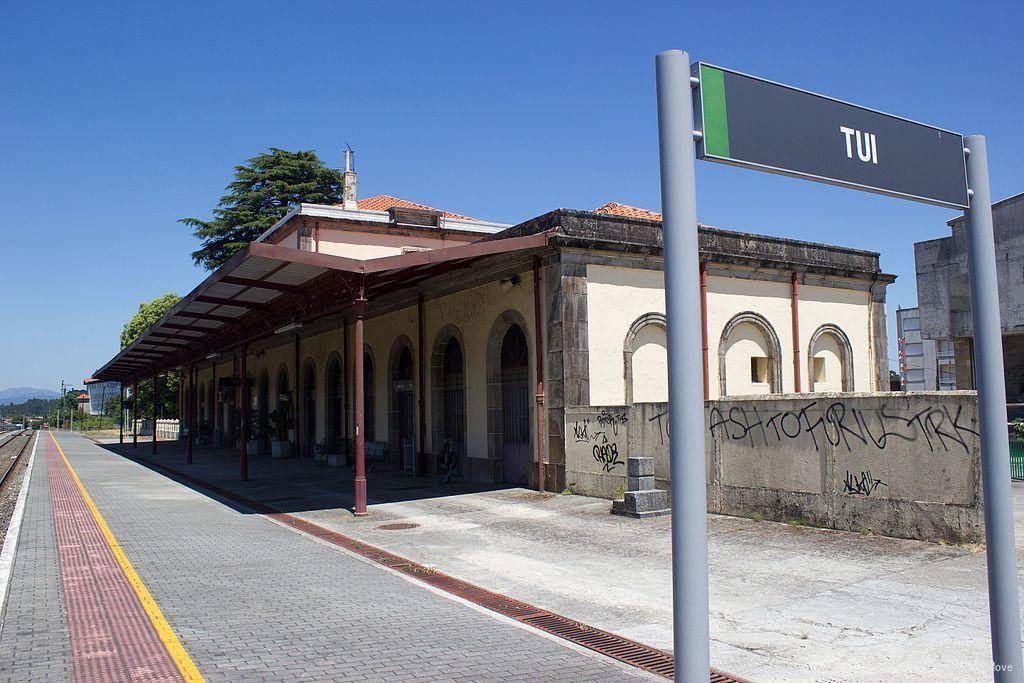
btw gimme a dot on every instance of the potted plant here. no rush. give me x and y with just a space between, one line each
330 450
280 447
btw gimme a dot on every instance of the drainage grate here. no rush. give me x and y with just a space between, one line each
609 644
398 526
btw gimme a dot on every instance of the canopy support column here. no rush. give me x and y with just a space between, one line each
244 460
360 474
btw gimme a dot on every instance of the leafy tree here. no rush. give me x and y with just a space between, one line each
167 389
149 312
264 189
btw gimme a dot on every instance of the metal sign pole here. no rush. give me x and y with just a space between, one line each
1000 546
685 372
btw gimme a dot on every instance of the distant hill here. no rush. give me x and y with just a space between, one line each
22 394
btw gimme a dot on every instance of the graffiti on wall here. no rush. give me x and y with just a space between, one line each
861 485
837 425
603 437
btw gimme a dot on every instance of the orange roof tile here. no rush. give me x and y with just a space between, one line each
617 209
383 202
81 396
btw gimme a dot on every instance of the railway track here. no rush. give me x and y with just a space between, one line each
11 452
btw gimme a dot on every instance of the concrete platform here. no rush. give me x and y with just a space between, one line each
248 599
789 603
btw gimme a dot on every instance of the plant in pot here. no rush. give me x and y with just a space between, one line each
280 447
330 450
255 443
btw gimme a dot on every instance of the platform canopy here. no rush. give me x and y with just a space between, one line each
266 288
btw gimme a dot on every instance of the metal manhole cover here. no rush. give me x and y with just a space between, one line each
398 526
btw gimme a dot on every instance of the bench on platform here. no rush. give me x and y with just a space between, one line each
375 452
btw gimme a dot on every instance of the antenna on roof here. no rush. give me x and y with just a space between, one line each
350 158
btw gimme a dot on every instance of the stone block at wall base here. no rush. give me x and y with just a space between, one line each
641 504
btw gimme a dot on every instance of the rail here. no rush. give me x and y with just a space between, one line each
9 464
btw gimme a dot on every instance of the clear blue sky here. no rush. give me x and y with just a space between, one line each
116 119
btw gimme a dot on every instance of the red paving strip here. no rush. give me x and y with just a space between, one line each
112 638
609 644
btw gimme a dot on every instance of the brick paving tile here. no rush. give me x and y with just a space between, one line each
252 600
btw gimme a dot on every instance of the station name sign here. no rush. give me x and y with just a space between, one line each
755 123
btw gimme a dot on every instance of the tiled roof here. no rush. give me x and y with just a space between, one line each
617 209
383 202
85 396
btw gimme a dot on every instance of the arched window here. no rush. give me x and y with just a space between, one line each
645 355
830 360
749 357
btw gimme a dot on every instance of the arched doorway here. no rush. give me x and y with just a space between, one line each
333 404
515 407
309 411
369 414
211 408
283 404
263 411
204 423
401 415
451 384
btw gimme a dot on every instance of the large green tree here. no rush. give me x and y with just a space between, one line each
167 388
264 189
149 312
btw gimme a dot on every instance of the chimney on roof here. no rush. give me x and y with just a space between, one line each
348 179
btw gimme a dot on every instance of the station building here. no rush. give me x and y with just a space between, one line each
386 331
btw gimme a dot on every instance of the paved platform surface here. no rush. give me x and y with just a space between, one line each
252 600
788 603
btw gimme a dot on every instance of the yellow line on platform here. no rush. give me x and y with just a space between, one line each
181 658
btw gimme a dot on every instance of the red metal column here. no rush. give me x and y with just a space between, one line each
155 378
421 402
135 421
246 400
795 303
704 325
360 478
191 409
539 344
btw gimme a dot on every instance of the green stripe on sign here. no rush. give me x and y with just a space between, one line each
716 123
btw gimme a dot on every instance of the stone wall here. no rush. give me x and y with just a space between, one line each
898 464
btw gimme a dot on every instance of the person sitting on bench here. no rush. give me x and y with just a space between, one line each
446 461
